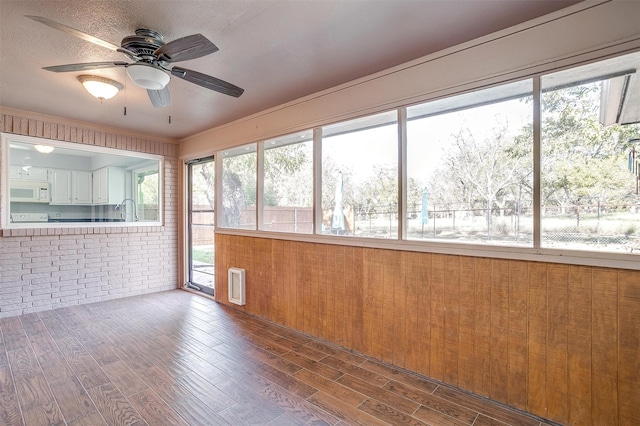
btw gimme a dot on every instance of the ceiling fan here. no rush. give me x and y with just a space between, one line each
152 61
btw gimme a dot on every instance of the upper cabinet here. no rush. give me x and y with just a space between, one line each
71 187
15 172
102 186
61 187
108 185
29 173
82 188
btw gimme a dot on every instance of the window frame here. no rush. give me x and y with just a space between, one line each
262 150
471 101
245 149
379 122
536 252
135 173
188 249
7 138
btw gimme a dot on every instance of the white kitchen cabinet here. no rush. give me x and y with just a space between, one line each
29 173
36 173
108 185
82 187
61 192
71 187
15 172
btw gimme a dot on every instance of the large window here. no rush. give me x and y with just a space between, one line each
360 177
49 183
477 168
589 157
239 188
470 167
288 184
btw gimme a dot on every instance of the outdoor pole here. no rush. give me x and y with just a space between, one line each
518 220
434 221
598 226
424 211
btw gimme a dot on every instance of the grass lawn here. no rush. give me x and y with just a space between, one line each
204 254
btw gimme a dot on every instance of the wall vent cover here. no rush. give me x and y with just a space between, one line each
237 287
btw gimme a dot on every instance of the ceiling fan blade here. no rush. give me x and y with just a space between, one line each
160 98
85 66
207 81
74 32
185 48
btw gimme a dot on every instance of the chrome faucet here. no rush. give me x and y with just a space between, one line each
122 208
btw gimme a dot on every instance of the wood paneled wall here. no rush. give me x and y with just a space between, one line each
560 341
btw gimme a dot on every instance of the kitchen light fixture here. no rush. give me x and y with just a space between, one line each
100 87
148 76
45 149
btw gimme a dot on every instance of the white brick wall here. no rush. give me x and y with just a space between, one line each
42 269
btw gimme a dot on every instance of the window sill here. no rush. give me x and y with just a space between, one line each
573 257
79 228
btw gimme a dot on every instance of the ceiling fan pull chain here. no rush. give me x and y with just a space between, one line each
125 93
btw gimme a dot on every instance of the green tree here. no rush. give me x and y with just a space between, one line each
202 181
239 179
414 196
288 175
481 171
583 162
238 186
379 192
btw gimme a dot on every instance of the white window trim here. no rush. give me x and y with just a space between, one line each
260 185
6 138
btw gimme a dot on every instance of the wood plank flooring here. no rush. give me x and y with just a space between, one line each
176 358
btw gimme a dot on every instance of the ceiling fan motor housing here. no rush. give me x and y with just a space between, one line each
144 44
145 73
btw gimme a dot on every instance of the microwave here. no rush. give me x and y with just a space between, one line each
29 191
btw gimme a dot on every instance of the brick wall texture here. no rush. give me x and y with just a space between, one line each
48 268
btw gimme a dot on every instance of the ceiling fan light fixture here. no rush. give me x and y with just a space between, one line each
148 76
100 87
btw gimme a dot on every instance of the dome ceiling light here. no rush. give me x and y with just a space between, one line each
100 87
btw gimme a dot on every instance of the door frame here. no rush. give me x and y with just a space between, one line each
189 284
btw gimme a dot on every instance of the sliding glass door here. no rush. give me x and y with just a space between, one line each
201 179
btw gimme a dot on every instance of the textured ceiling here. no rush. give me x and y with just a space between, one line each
277 51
